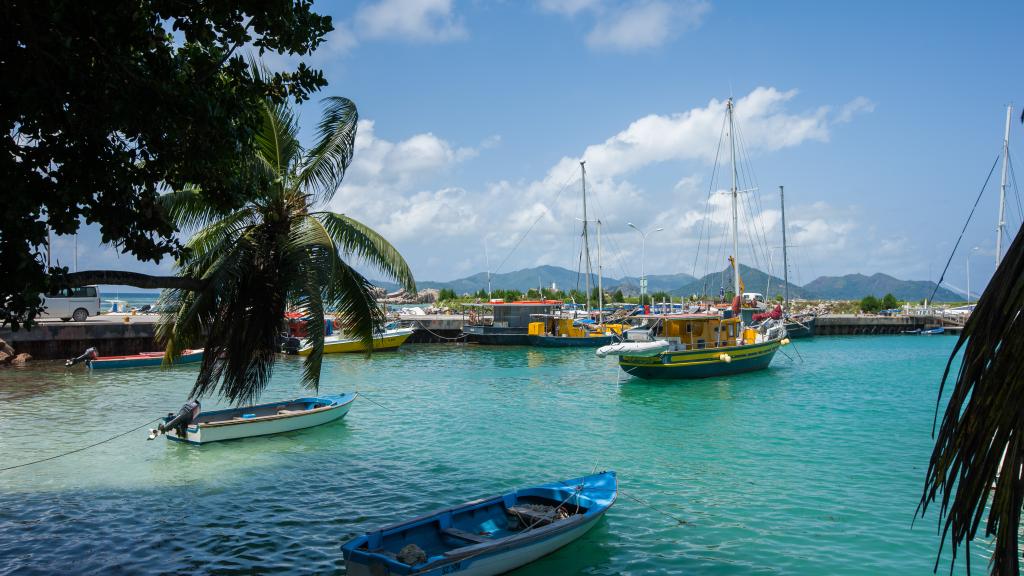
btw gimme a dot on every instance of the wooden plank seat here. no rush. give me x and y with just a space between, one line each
464 535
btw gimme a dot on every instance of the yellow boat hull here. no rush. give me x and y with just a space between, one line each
388 341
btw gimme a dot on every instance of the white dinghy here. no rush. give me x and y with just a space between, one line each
629 348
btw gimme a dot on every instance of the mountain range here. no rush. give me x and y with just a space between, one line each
848 287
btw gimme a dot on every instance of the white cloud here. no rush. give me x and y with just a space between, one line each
568 7
859 105
388 185
694 134
404 189
645 25
415 20
635 25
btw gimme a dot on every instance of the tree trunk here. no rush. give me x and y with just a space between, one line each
122 278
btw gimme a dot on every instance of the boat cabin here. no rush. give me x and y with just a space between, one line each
701 331
520 313
566 327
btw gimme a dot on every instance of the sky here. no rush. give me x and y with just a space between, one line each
881 119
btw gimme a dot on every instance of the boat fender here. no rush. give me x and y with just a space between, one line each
784 341
725 358
88 356
179 422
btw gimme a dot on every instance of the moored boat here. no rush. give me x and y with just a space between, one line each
193 426
510 321
566 331
486 536
388 339
800 326
140 360
706 345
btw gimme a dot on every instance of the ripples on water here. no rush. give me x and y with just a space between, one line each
807 468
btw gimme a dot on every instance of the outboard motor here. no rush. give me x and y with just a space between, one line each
88 356
290 345
178 422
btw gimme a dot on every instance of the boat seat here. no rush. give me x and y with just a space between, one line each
287 412
464 535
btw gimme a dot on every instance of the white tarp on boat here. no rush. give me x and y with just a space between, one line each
633 349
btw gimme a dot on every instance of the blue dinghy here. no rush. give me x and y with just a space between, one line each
487 536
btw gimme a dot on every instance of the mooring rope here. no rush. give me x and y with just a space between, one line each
359 393
436 335
79 449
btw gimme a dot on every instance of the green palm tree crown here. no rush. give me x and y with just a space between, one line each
281 250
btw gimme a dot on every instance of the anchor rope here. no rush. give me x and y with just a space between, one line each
79 449
359 393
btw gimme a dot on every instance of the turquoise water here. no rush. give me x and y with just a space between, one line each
811 467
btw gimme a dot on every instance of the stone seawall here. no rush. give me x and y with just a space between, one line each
61 340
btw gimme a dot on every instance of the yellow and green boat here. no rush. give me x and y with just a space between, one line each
704 346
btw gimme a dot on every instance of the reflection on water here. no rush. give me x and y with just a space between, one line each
807 468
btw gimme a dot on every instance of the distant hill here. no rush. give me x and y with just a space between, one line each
857 286
848 287
521 280
630 285
753 279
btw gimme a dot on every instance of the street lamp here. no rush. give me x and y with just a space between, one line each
643 255
975 249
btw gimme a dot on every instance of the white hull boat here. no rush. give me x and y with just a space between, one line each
195 427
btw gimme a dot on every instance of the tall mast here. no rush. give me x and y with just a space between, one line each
487 258
785 256
1002 188
735 213
600 273
586 238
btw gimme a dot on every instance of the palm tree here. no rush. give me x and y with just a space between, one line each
280 250
978 458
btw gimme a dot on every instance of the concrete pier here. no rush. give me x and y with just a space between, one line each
435 328
850 324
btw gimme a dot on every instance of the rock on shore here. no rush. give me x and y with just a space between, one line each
9 356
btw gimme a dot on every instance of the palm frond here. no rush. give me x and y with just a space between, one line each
355 238
188 209
277 145
980 443
326 163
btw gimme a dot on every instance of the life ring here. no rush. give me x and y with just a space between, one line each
337 324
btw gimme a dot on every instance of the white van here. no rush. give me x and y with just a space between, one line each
72 304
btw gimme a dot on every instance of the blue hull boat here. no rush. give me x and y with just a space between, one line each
486 536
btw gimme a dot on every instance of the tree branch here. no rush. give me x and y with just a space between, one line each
122 278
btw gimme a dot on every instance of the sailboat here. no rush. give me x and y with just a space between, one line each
801 326
568 330
708 344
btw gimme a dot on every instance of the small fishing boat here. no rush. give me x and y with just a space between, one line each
140 360
486 536
560 331
933 331
194 426
389 339
509 324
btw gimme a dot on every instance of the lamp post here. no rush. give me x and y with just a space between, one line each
643 255
969 274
